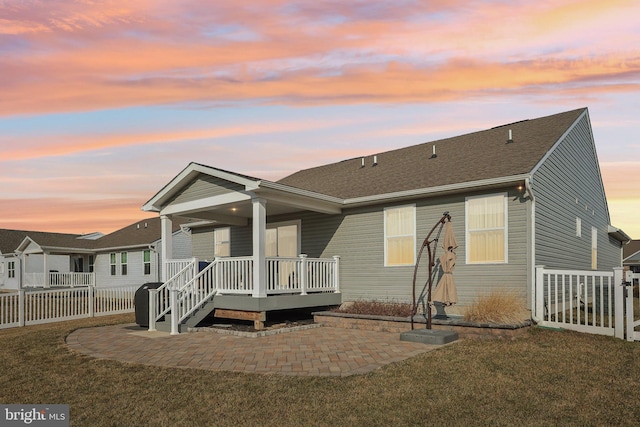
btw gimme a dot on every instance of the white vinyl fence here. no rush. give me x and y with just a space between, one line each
583 301
33 307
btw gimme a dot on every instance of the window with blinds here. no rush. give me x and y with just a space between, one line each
400 236
222 242
486 225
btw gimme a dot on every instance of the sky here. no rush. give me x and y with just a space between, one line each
103 102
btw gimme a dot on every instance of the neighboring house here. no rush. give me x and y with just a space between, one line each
128 256
131 255
27 254
631 256
520 195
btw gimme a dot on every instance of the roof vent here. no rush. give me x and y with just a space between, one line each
138 226
433 154
362 163
375 160
510 140
145 225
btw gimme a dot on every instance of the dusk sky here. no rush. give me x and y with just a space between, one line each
103 102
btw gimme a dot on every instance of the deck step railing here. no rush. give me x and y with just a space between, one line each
234 276
160 298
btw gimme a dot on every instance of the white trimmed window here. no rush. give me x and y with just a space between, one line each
112 263
222 242
594 248
146 262
486 225
11 269
92 261
400 236
578 227
123 263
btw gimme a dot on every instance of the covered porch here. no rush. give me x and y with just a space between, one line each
267 271
47 267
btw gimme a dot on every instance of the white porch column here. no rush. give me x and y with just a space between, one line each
166 225
47 276
259 247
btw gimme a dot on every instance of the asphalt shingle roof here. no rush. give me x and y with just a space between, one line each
140 233
471 157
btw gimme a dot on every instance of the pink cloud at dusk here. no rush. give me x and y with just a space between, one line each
104 101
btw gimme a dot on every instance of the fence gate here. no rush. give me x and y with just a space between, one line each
632 305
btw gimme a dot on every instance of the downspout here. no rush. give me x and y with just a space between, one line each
152 250
527 185
22 269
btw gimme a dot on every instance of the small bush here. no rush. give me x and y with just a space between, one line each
376 308
498 307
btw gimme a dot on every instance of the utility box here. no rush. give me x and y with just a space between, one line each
141 302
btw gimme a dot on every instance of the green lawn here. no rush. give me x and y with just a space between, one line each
545 378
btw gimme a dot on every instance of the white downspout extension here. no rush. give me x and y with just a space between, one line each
532 273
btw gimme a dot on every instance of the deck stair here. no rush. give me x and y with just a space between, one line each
190 322
187 295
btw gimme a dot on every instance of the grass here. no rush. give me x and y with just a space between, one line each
496 308
546 378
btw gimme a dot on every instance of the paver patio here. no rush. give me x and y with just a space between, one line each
323 351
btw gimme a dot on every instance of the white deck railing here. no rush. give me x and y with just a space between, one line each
37 280
32 307
234 276
160 298
174 267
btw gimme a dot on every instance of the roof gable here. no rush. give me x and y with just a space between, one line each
631 251
472 157
189 175
11 240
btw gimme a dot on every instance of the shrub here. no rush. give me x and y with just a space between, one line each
376 308
497 307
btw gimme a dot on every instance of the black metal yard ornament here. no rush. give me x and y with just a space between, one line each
432 256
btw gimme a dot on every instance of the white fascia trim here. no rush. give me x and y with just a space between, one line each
299 192
59 249
25 242
196 224
450 188
204 204
618 234
296 197
557 143
124 248
190 172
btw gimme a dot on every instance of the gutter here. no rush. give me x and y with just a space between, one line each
527 186
439 190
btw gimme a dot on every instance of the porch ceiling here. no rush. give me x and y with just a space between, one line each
238 213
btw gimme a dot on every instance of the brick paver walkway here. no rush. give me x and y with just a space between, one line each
319 351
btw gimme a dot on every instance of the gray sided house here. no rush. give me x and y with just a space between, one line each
520 195
129 256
